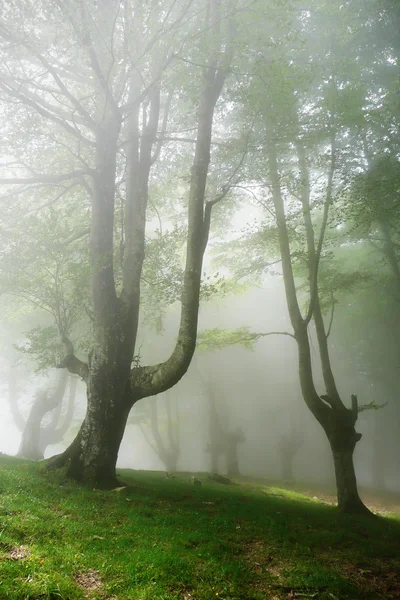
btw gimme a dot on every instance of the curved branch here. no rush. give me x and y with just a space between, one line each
71 362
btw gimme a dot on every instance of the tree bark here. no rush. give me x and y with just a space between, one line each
348 499
92 456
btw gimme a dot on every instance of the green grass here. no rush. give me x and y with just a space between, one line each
165 539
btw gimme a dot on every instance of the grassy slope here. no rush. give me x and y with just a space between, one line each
165 539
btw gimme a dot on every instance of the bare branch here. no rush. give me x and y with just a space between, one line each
46 179
45 113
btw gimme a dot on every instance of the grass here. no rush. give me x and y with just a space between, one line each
164 539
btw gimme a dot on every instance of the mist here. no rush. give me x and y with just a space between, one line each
199 259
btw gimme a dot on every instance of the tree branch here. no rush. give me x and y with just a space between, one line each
46 179
317 258
71 362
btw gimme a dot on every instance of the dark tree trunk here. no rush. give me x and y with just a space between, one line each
347 494
92 456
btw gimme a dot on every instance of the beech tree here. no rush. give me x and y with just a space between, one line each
36 435
299 97
99 80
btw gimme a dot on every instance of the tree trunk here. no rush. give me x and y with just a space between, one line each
92 456
170 462
232 462
337 421
214 458
30 441
348 499
46 400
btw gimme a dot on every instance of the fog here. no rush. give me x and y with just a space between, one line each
256 390
199 240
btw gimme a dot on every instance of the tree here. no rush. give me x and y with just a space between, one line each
222 439
35 435
164 432
94 79
297 96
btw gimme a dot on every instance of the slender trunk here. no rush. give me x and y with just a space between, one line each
214 459
167 453
232 462
30 441
337 421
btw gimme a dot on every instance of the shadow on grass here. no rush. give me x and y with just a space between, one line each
167 539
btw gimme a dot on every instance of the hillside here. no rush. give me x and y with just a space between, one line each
165 539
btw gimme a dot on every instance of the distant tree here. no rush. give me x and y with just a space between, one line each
161 431
304 105
48 400
223 440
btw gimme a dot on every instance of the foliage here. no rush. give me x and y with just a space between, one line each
140 542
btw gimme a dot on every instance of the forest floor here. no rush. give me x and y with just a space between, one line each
165 539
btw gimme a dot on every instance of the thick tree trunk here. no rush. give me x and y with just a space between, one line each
347 494
92 456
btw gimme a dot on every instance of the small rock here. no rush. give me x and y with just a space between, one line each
194 481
